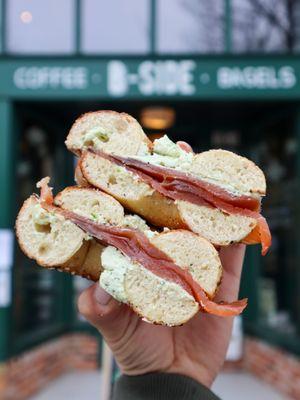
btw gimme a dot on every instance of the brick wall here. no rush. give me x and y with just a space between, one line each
274 366
29 372
25 375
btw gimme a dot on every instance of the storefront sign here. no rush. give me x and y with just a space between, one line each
165 78
35 78
142 78
261 78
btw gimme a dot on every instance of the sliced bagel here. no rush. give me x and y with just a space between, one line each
91 203
218 227
229 171
110 131
79 178
130 191
54 242
156 299
195 253
215 225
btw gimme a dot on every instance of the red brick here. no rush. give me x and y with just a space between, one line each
26 374
273 365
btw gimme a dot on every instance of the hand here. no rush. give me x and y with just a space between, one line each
196 349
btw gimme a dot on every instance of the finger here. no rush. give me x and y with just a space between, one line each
185 146
232 258
104 312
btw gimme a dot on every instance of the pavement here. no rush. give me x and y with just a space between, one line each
87 385
241 385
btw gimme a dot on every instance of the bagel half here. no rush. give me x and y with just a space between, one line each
56 243
231 172
53 241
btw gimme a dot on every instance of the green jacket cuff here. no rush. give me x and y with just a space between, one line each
160 386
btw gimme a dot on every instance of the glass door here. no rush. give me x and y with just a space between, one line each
41 304
275 277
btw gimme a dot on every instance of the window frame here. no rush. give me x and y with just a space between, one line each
228 48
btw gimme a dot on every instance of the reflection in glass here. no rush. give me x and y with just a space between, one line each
265 25
189 26
278 287
36 293
41 27
115 26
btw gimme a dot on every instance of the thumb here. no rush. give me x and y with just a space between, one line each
104 312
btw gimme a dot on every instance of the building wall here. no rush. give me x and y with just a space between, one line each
273 366
31 371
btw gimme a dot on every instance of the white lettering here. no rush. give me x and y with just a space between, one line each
223 76
288 77
117 84
251 77
146 76
187 86
18 78
35 78
167 77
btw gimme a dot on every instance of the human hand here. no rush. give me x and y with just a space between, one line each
196 349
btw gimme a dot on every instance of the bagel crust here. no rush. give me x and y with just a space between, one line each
110 131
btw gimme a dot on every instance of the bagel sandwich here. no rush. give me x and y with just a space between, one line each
165 277
216 193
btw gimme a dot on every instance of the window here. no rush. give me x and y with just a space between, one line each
40 296
189 26
40 27
278 286
35 305
272 283
265 25
115 26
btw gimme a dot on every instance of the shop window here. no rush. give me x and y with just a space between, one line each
39 294
277 317
189 26
115 26
265 25
40 27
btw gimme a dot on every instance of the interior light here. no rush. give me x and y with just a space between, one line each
26 17
154 136
157 118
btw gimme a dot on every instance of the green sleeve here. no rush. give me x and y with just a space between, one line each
160 386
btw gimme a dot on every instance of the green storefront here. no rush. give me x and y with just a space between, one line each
247 103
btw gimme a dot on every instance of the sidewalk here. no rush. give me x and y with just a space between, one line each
86 385
231 386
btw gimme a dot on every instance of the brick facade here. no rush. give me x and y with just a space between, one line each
29 372
274 366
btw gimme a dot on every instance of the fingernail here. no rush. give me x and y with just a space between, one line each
101 296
